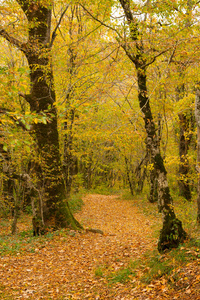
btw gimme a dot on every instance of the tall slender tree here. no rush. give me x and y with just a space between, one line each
172 232
197 116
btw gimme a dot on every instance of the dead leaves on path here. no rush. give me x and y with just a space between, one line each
75 265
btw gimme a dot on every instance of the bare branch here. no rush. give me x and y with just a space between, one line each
155 57
101 22
53 36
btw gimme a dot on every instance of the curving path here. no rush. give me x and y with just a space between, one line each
68 265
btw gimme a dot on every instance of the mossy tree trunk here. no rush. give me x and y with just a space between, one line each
172 232
37 50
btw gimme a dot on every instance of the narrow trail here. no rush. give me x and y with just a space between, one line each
66 265
123 225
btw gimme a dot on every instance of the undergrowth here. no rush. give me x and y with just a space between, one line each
24 241
186 211
104 190
153 266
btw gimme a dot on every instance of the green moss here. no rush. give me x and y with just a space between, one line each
172 233
75 203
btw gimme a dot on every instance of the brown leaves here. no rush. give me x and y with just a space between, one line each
74 265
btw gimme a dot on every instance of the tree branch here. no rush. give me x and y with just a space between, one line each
15 42
16 120
101 22
53 36
155 57
27 97
128 51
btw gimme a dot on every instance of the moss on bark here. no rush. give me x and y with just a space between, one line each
172 233
64 217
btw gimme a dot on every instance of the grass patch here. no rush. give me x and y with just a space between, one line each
99 271
153 265
156 267
25 242
122 275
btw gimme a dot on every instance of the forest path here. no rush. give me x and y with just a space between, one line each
68 265
126 231
75 265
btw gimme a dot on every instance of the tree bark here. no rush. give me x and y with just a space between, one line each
70 161
184 186
172 232
56 212
197 116
128 175
184 142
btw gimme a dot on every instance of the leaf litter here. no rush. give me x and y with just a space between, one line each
78 265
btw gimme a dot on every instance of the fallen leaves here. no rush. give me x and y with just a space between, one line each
75 265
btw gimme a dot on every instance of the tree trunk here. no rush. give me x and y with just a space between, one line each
172 232
129 177
16 195
184 141
136 175
184 186
153 173
153 195
70 161
56 212
41 99
197 116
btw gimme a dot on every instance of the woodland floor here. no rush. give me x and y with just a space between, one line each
74 265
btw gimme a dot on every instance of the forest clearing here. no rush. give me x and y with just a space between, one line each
119 264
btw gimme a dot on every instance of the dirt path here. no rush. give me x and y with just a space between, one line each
68 266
